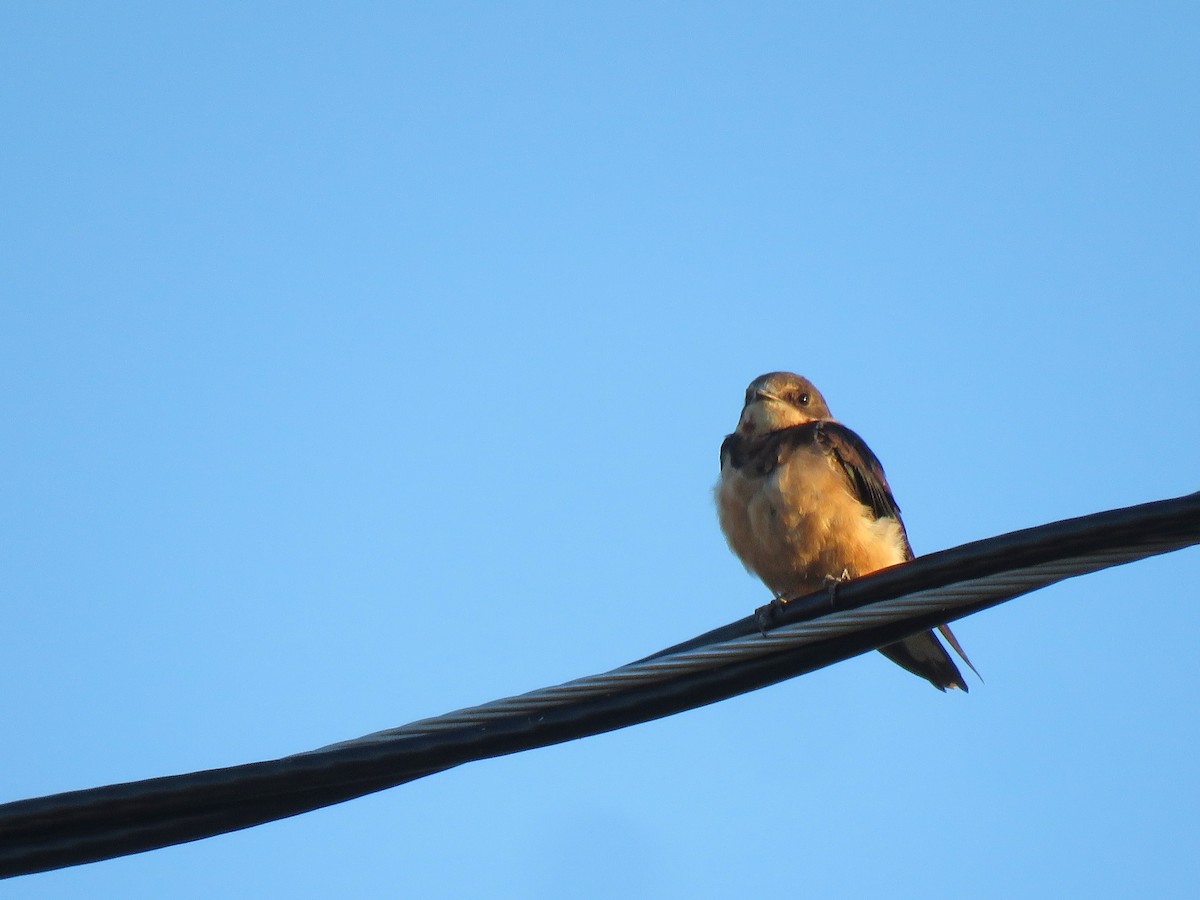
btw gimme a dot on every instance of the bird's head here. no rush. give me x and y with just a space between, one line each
780 400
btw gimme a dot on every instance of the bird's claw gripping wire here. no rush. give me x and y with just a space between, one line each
832 584
765 616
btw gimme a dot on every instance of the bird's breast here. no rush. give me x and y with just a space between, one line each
800 524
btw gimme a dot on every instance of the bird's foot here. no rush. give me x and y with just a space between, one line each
832 584
765 615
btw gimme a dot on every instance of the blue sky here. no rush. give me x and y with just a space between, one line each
368 361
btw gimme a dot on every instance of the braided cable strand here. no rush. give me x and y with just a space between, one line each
945 600
814 631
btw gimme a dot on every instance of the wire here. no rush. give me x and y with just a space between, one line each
805 634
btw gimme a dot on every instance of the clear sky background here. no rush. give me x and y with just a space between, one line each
366 361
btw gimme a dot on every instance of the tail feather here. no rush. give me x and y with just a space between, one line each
953 642
924 655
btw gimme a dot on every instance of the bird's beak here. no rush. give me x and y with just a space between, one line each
767 395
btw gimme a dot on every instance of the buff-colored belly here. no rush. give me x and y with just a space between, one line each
800 525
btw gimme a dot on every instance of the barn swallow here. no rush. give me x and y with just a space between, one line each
804 504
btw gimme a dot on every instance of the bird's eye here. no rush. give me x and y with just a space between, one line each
802 399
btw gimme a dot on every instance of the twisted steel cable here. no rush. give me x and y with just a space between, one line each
779 642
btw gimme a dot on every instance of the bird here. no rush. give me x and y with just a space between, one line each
805 504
